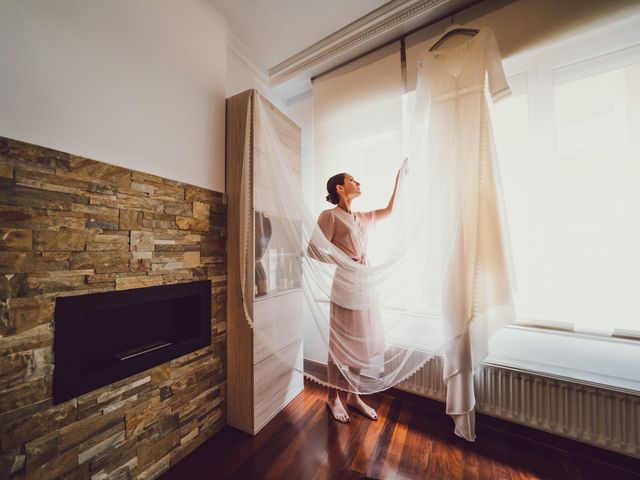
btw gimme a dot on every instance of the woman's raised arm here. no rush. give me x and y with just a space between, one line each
385 212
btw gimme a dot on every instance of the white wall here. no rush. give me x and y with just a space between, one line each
140 84
300 110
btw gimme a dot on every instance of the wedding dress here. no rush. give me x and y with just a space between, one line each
475 281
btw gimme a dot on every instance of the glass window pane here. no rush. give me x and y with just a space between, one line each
597 197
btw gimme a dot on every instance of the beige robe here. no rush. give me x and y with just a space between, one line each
355 335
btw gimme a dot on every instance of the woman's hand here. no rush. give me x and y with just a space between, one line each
385 212
404 168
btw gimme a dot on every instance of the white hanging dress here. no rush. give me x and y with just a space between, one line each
474 277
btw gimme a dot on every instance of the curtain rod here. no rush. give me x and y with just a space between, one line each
400 38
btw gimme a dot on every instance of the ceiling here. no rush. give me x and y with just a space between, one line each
274 30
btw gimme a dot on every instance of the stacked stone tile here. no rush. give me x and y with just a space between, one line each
72 226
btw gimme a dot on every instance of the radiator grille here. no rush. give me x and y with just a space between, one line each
590 414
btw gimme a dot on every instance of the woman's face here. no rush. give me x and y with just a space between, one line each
351 187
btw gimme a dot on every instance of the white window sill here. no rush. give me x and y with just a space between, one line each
597 361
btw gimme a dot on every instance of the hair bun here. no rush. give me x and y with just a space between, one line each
328 198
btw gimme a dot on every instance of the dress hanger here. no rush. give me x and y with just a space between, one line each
454 30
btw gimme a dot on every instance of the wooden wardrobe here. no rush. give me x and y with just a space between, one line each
259 383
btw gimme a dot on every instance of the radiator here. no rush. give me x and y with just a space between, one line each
591 414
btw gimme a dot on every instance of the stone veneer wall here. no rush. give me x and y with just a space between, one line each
72 226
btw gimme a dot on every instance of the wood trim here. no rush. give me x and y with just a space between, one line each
239 334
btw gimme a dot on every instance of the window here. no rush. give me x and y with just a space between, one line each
570 164
568 143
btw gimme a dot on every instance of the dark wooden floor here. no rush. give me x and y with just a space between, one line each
409 441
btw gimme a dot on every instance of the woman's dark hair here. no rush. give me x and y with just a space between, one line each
332 183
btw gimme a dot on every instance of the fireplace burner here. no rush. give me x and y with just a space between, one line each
103 337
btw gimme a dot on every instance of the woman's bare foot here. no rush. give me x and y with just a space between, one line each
337 409
356 402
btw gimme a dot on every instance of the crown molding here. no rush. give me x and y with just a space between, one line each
395 16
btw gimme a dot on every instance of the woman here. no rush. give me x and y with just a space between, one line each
355 335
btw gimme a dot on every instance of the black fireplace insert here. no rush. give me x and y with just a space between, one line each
103 337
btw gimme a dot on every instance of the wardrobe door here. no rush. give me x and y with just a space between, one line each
261 378
278 295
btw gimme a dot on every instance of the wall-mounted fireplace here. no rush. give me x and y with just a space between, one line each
103 337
